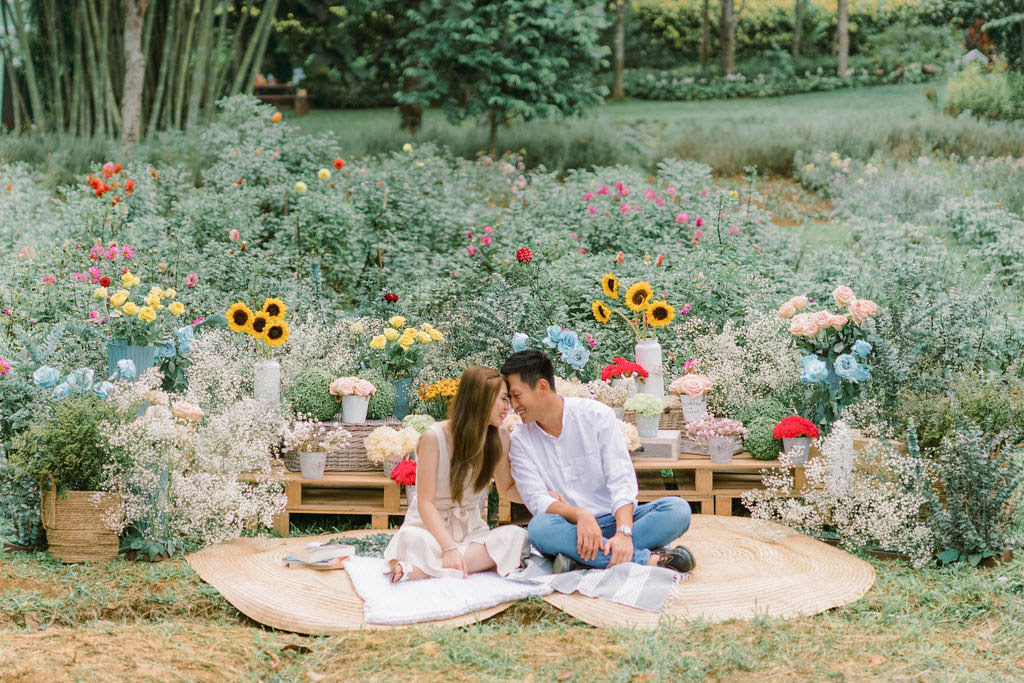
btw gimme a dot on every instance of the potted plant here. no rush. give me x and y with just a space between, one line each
310 394
566 348
65 449
313 443
796 434
648 409
722 436
355 396
387 447
268 330
647 314
437 397
398 354
692 389
614 392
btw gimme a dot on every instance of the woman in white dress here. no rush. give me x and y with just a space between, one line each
444 533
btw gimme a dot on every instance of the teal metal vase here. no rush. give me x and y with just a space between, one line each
144 357
403 387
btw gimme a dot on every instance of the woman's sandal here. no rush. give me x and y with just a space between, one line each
400 572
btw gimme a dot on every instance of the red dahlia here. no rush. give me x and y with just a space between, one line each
339 163
794 427
104 282
391 298
524 255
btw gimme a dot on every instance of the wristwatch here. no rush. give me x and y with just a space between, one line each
625 530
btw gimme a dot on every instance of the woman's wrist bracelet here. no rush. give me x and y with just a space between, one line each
451 547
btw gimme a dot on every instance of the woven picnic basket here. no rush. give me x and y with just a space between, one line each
76 530
353 457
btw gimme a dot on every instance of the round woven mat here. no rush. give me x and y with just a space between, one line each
250 573
744 568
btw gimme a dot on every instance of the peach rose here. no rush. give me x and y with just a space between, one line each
843 295
838 321
186 411
691 385
822 319
803 325
787 310
862 309
799 302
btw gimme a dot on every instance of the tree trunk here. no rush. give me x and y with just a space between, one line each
705 33
618 91
727 38
135 71
35 100
843 31
798 24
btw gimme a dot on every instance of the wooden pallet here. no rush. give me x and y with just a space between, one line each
341 493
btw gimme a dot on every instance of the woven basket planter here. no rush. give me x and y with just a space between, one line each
353 457
671 418
75 526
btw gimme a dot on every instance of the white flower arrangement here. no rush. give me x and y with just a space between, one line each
312 436
384 444
645 404
704 429
572 387
629 435
612 394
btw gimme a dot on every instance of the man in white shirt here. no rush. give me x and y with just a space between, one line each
573 472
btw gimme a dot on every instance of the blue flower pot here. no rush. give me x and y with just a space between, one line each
144 357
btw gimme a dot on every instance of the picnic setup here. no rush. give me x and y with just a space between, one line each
511 340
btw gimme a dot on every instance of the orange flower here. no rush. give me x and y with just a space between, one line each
276 118
339 163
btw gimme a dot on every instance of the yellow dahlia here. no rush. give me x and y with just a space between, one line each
610 285
239 317
602 313
638 296
660 313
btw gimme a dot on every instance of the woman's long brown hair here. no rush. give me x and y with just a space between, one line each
476 444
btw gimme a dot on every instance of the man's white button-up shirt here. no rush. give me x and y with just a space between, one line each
587 463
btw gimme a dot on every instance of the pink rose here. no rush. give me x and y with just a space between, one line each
485 240
671 191
471 250
803 325
233 235
822 319
799 302
603 189
862 309
186 411
624 208
787 310
838 321
692 385
343 386
843 295
591 209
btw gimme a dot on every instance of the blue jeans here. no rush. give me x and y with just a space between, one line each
655 524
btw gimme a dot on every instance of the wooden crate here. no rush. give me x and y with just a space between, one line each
341 493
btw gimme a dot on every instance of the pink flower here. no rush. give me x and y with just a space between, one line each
803 325
198 320
591 209
697 235
692 385
671 191
233 235
602 189
191 280
5 366
618 185
582 250
471 250
96 253
469 234
485 240
588 196
111 254
685 309
624 208
6 311
649 193
799 302
49 279
93 315
81 277
703 193
109 166
623 192
787 310
682 218
733 230
822 319
591 341
838 321
127 253
699 222
488 230
862 309
620 257
843 295
659 201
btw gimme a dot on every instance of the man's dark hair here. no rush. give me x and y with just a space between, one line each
531 365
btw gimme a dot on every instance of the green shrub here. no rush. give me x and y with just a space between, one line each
383 401
985 94
759 442
767 408
310 394
67 444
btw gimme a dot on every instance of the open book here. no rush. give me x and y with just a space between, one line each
321 556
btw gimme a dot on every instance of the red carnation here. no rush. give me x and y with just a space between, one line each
405 473
104 282
628 366
129 185
391 298
524 255
339 163
117 168
794 427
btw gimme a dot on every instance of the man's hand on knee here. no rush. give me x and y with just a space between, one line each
588 535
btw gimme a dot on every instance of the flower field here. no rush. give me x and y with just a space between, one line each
905 324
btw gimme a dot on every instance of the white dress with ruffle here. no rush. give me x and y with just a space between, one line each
507 545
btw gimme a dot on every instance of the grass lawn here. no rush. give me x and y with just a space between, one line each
132 620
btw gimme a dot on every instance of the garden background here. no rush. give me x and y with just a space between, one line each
730 184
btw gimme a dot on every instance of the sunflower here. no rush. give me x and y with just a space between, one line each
610 285
602 313
660 313
274 308
638 296
259 324
275 333
239 317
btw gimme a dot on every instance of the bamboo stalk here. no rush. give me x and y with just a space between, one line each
165 63
147 35
103 35
179 104
92 69
56 64
202 64
219 62
243 67
267 20
31 82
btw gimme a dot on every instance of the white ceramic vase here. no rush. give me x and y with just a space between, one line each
353 408
797 449
312 464
648 354
266 382
647 427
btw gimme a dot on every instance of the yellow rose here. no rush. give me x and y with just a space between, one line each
397 321
323 174
177 308
153 302
407 147
157 292
300 187
120 296
423 338
147 313
126 277
436 336
379 342
733 194
170 294
390 333
406 342
130 308
100 293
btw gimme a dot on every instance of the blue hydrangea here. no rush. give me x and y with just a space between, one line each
861 348
569 340
45 376
812 369
519 341
847 367
103 389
